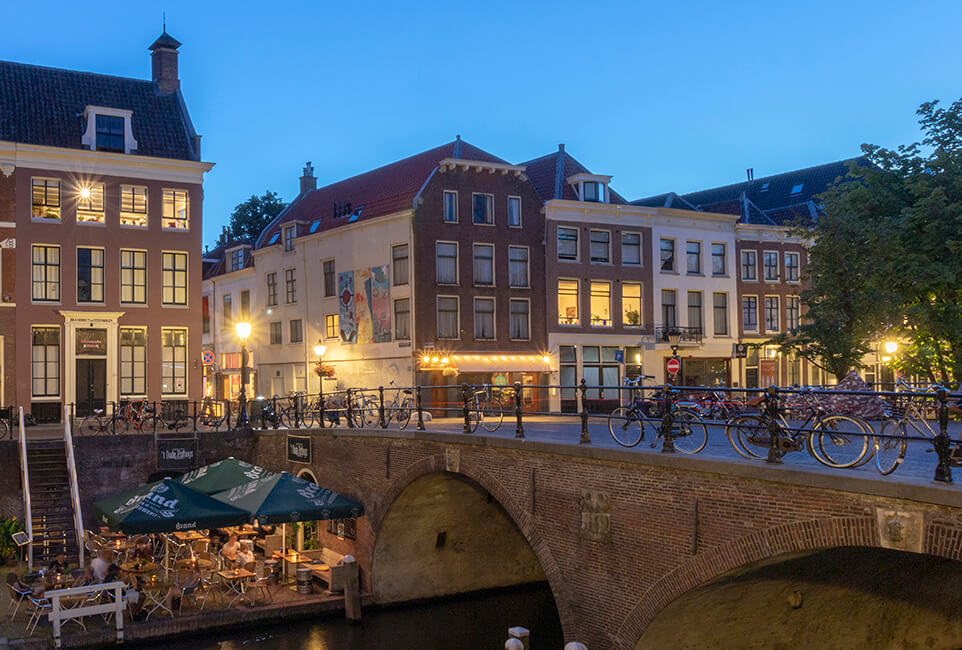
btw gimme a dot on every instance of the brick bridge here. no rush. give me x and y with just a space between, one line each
617 535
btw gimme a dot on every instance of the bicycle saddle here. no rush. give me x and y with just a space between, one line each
98 411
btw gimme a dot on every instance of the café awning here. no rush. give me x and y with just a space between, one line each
500 363
282 498
222 475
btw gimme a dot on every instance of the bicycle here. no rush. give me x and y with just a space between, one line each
907 412
485 409
97 423
130 415
299 413
820 433
364 410
627 423
712 405
164 424
400 409
210 415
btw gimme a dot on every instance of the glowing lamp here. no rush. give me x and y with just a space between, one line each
425 359
319 350
891 347
546 359
434 359
85 193
243 330
444 361
637 358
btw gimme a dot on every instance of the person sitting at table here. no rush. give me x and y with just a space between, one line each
142 551
113 574
99 565
85 578
58 565
245 555
229 550
135 603
184 579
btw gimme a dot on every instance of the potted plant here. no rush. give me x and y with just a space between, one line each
8 548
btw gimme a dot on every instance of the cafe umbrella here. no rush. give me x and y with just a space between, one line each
222 475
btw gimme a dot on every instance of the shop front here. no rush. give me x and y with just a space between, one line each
446 374
705 371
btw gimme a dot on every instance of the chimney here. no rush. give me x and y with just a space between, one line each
561 148
750 172
308 180
164 63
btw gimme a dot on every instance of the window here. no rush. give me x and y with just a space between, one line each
797 189
271 289
568 358
749 265
447 262
771 313
630 248
90 275
289 233
174 285
770 262
45 362
484 318
290 284
483 208
518 266
567 302
631 304
668 317
593 191
245 306
450 207
227 312
601 304
567 243
720 313
110 133
276 336
133 205
173 361
133 277
483 264
694 311
448 321
205 314
600 246
297 331
667 254
792 312
751 367
46 273
791 267
46 198
237 259
794 369
514 211
520 325
90 204
402 319
399 255
750 313
133 361
693 254
601 369
718 259
330 326
330 283
176 212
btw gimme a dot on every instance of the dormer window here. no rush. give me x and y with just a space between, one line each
237 259
289 233
108 129
590 187
593 191
110 133
797 189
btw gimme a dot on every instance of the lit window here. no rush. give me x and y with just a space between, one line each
133 205
600 304
330 326
176 209
174 279
45 198
133 361
173 361
631 304
90 203
45 361
567 302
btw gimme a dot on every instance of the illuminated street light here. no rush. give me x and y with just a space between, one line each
320 350
891 347
243 330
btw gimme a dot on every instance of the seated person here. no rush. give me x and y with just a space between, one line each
185 579
143 551
229 550
265 529
99 566
86 578
113 574
134 602
244 556
58 565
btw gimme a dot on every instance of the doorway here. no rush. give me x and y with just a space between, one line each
91 385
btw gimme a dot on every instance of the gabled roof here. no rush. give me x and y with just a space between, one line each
45 106
375 193
548 173
669 200
215 259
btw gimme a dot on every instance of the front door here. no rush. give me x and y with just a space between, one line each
91 385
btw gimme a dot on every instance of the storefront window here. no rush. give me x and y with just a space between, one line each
601 370
568 372
751 368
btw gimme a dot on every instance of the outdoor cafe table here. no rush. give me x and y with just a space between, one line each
242 531
154 593
137 569
190 536
199 562
291 557
236 579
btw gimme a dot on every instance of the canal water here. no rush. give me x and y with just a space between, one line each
477 621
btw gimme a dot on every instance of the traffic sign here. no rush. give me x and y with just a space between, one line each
619 356
673 366
208 357
739 350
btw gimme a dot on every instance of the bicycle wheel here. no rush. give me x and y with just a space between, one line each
152 424
492 414
890 446
688 431
625 427
403 415
842 441
89 425
748 435
117 424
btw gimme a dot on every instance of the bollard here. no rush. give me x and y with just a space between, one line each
771 412
943 471
298 420
520 634
320 400
464 407
519 429
585 437
574 645
380 407
417 397
352 590
350 410
194 407
667 422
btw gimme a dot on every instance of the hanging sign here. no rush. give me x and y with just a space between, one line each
299 449
177 454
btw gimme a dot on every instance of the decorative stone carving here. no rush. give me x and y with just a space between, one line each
452 459
900 530
595 516
7 167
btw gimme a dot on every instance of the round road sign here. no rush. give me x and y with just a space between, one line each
208 357
673 366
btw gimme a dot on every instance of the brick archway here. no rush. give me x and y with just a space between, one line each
438 464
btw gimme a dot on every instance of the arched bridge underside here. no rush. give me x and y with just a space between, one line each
617 535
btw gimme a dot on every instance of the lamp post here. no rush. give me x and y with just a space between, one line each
674 338
243 330
319 350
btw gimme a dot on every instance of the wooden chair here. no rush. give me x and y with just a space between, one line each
261 583
18 593
200 546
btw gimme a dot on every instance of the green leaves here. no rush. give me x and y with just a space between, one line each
253 215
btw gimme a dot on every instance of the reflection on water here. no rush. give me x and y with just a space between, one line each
468 622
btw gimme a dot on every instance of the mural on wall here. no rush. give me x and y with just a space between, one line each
365 315
346 317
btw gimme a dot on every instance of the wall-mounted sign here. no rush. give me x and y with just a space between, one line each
299 449
178 454
208 357
92 341
739 350
619 356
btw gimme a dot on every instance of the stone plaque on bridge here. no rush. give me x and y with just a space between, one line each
900 530
299 449
595 516
452 459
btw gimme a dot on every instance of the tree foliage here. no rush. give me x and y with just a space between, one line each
252 216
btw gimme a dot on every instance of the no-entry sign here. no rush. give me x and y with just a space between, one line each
673 366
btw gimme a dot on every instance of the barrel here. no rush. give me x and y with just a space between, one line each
304 580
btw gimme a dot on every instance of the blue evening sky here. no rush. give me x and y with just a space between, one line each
664 96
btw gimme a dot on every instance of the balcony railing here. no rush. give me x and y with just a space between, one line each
689 335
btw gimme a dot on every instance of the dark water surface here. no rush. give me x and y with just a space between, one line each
476 621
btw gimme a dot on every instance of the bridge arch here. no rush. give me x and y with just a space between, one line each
463 470
783 540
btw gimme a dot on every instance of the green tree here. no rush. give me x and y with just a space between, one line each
252 216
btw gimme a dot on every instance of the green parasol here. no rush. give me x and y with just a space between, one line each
222 475
281 498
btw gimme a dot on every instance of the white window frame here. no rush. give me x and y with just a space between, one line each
778 313
778 274
457 264
591 320
163 201
103 281
186 302
437 320
741 264
134 270
798 315
444 200
798 266
59 207
186 390
508 213
133 362
46 282
135 218
99 216
641 304
48 397
741 306
577 319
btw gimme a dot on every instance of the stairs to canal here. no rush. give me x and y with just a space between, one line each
52 509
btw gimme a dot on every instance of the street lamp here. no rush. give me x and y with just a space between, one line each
891 347
319 350
674 338
243 330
